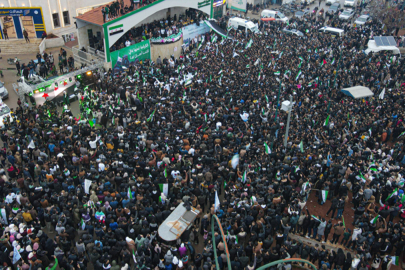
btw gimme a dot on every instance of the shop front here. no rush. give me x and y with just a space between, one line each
16 20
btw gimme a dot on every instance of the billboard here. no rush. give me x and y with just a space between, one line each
130 56
191 31
239 5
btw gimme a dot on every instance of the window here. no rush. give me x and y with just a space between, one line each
66 18
55 18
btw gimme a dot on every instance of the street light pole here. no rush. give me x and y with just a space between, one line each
278 101
288 122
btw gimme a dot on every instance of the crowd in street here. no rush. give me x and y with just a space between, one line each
81 191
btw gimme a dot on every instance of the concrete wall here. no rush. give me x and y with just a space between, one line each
165 50
82 33
54 42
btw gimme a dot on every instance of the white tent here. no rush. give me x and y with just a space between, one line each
358 92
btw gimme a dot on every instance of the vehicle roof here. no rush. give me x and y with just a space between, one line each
270 11
247 22
332 29
335 4
373 44
363 16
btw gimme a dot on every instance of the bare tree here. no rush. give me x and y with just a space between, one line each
391 16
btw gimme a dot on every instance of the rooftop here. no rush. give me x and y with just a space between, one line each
95 16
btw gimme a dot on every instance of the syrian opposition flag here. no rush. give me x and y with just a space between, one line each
326 121
235 54
165 173
249 44
395 260
133 256
244 177
324 195
314 217
277 73
395 192
301 147
82 224
374 220
214 39
151 116
129 193
306 184
267 149
298 75
333 61
267 98
199 46
235 161
281 54
258 78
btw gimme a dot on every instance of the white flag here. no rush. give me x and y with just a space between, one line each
216 201
16 256
31 145
87 184
381 96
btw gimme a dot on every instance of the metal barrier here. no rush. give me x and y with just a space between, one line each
98 54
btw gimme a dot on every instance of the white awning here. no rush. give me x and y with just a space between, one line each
358 92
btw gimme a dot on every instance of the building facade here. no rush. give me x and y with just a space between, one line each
36 16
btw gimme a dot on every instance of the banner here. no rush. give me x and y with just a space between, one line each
239 5
169 39
192 31
130 56
87 184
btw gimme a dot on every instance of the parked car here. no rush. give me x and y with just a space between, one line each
308 1
363 19
301 13
3 91
334 8
330 2
347 14
293 32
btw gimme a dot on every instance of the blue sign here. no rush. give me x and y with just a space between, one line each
34 12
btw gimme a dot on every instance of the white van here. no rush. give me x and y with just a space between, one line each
332 31
4 113
279 16
372 47
350 3
242 24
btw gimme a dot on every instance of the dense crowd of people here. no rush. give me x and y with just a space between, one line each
210 125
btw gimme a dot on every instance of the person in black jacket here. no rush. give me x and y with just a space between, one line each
328 228
333 207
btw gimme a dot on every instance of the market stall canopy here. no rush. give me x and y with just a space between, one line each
177 223
358 92
216 28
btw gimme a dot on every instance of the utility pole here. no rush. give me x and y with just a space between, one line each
288 122
278 101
